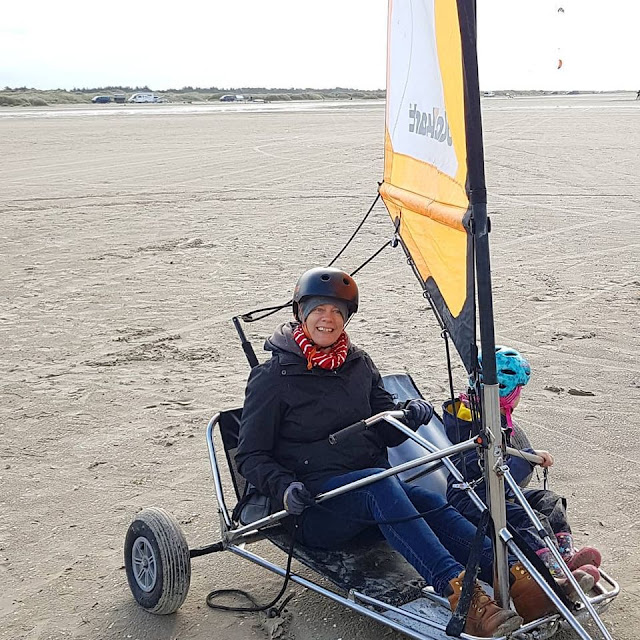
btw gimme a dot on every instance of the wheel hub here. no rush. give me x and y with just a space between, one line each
143 564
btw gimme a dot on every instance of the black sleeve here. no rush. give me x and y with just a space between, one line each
261 417
382 400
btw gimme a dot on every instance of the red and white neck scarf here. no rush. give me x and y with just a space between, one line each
331 359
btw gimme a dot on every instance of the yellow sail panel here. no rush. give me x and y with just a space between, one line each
441 245
425 170
422 183
449 215
435 238
451 69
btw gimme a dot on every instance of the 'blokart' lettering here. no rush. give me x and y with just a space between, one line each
432 125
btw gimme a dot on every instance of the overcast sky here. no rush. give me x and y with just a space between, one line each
303 43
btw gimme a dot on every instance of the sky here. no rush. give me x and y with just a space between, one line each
303 44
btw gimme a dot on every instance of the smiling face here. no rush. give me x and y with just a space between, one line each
324 325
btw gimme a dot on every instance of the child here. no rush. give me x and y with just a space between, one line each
513 373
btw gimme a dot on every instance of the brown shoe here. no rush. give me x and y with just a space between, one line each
528 598
485 618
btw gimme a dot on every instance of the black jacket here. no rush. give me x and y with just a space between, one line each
289 412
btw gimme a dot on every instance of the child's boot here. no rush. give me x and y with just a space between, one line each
585 582
585 579
576 558
551 563
585 556
485 618
591 570
528 598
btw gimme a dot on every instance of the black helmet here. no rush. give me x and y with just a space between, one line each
327 282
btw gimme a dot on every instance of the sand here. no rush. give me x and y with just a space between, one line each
131 236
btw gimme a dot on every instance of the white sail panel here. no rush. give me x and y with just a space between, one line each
417 117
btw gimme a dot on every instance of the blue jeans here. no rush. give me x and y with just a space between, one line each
437 545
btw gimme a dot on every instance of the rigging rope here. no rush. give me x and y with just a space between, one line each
353 235
272 610
454 408
268 311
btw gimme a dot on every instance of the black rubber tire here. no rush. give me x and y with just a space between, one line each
519 440
162 532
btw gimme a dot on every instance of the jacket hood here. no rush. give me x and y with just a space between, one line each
282 340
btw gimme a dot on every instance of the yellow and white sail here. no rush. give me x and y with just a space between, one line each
425 187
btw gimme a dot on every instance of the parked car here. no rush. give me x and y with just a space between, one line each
101 99
145 97
238 97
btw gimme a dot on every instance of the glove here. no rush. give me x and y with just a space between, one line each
417 412
296 498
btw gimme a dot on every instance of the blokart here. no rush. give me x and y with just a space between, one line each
371 579
434 190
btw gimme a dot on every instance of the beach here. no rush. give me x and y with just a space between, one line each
131 235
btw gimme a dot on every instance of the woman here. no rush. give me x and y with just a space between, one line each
317 383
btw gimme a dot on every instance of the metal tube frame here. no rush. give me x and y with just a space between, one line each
493 456
241 535
351 601
237 533
231 534
425 444
513 485
504 470
222 507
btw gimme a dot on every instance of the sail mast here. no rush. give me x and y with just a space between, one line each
480 222
434 190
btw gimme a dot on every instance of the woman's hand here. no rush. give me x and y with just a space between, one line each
418 412
547 458
296 498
